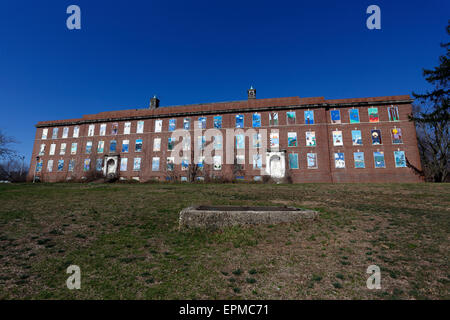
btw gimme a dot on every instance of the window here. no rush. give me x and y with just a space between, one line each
140 127
52 149
311 160
88 147
187 123
240 141
62 151
201 142
202 123
356 138
155 164
353 115
60 165
218 122
335 116
91 130
123 164
309 117
125 145
103 129
157 144
376 137
170 163
44 133
87 164
187 142
358 157
373 115
55 133
393 113
65 132
138 145
273 119
400 159
290 117
99 165
73 148
257 161
239 121
172 124
256 121
396 134
217 160
184 164
218 142
339 160
39 166
50 165
240 159
158 125
293 160
42 150
76 132
378 158
337 138
71 165
257 140
127 128
170 144
101 146
115 128
112 146
292 139
274 140
137 164
310 139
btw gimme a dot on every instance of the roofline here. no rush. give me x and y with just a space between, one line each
226 111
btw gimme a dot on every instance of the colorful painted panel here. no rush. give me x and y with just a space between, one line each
239 121
339 160
378 157
71 165
137 164
101 146
337 138
123 164
396 134
240 141
309 117
171 143
218 122
88 147
353 115
202 123
335 116
138 146
290 117
257 140
115 128
187 123
293 160
73 148
292 139
125 145
87 164
39 166
393 113
357 138
311 160
310 139
257 161
273 118
274 140
376 136
99 165
112 146
155 164
172 124
373 115
400 159
256 120
358 157
140 127
60 165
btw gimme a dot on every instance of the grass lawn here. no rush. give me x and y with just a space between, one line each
125 239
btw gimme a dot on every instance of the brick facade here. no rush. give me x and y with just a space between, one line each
323 128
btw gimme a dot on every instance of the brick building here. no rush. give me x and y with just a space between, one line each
306 139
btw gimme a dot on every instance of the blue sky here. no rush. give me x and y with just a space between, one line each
205 51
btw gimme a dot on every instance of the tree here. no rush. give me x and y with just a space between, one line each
431 116
5 149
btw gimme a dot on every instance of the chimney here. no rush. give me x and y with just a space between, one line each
154 103
251 93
